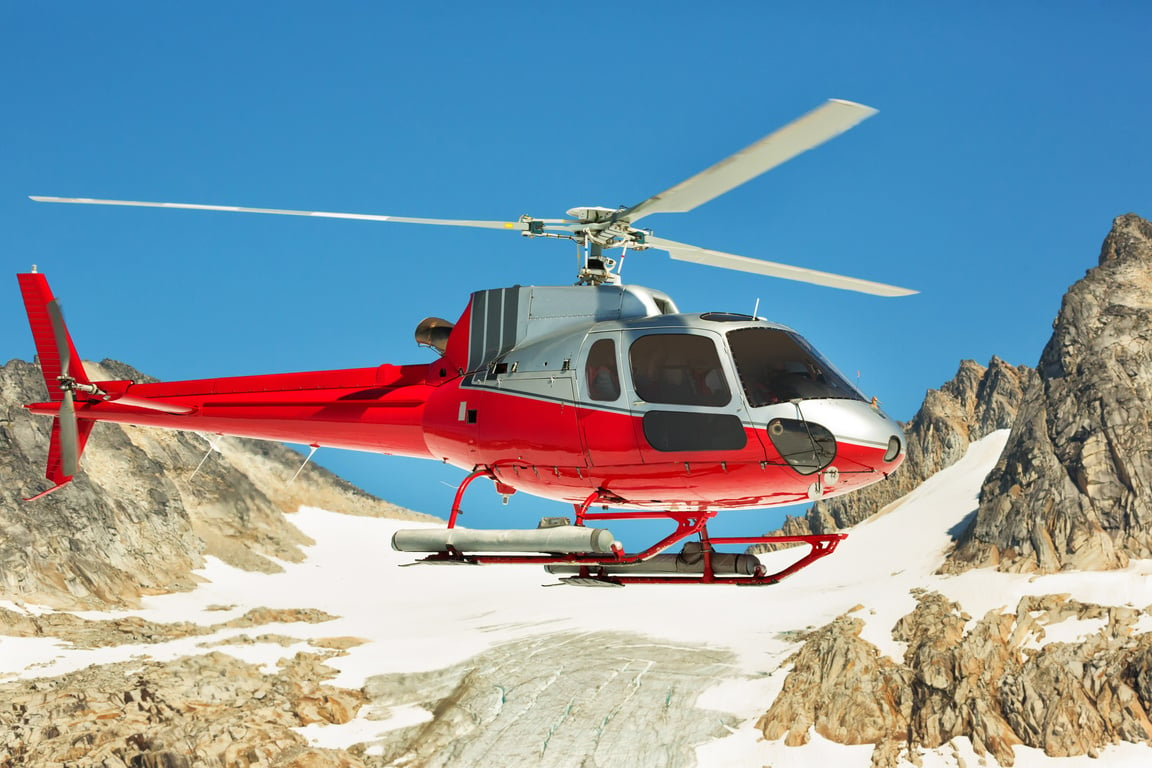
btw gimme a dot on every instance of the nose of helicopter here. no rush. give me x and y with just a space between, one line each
811 434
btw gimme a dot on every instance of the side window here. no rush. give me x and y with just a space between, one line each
601 371
679 369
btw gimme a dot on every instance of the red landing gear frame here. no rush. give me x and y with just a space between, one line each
594 566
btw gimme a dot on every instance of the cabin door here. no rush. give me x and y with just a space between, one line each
685 399
604 416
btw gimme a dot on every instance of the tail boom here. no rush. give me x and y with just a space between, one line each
368 409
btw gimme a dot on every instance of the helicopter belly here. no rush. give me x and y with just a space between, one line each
683 485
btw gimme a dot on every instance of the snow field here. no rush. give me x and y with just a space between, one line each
426 617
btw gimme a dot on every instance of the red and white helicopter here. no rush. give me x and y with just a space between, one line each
600 394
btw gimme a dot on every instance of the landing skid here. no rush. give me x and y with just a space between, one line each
697 563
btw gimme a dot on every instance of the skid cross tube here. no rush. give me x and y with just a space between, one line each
611 568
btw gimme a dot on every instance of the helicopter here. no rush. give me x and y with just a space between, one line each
599 394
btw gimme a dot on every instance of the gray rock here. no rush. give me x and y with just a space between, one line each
1074 486
196 712
985 683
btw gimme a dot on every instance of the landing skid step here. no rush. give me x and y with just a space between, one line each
586 581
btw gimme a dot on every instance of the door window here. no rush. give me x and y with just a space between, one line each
601 371
678 369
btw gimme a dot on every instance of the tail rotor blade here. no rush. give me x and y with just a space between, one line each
69 437
60 331
69 431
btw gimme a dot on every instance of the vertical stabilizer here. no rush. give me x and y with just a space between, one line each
64 375
37 297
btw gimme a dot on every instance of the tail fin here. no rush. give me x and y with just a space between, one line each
63 373
37 297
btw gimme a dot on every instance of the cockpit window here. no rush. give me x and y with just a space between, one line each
777 366
603 378
678 368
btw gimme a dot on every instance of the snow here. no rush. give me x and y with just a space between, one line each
431 617
1067 631
363 728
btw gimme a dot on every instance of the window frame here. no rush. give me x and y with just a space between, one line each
686 383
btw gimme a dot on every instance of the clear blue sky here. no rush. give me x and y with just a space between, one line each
1009 136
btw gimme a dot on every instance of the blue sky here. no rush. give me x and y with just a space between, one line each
1009 135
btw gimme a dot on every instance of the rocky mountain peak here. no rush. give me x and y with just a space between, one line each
1074 486
1130 239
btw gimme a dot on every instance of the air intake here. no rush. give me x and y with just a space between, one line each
434 332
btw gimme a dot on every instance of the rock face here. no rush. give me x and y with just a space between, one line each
1074 486
196 712
139 517
988 683
975 403
875 709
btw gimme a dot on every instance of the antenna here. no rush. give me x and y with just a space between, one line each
213 446
756 309
311 453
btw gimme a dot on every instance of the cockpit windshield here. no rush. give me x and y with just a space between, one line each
777 366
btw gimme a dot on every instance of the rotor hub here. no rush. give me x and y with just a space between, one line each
593 214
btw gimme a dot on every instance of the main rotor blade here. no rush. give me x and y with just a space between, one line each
63 349
69 439
515 226
685 252
818 126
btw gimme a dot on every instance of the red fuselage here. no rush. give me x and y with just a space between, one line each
556 450
563 393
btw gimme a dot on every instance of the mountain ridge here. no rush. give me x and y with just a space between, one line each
148 505
1074 487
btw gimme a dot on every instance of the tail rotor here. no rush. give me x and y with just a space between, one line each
69 432
64 376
